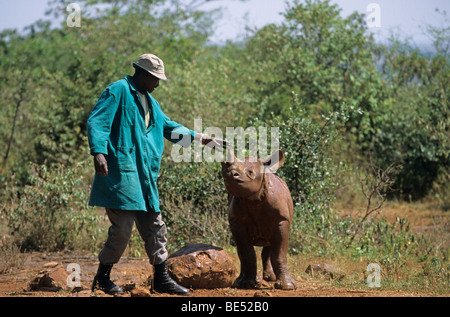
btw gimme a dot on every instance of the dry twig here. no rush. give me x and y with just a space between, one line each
374 190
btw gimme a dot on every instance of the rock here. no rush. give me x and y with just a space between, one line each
202 266
140 292
324 269
262 294
299 278
50 265
99 292
52 278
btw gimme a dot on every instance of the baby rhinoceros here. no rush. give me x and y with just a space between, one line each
260 213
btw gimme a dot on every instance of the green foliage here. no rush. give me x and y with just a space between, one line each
63 72
328 60
309 169
325 58
51 213
194 202
412 125
191 93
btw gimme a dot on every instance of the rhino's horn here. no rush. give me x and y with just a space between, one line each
230 157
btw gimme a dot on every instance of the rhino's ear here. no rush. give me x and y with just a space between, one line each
274 161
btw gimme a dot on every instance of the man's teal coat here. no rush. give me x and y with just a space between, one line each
116 128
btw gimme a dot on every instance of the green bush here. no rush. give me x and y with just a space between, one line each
411 126
194 203
50 212
325 58
310 170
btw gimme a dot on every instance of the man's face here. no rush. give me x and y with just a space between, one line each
150 82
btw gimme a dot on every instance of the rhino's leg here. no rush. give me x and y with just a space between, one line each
247 257
268 273
278 257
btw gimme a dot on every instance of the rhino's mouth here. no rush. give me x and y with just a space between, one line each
233 179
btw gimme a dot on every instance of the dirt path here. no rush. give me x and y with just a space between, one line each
130 273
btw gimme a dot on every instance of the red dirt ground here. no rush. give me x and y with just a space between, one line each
131 273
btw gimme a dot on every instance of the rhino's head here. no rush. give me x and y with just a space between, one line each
245 178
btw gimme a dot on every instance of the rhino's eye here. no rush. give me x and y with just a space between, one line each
250 172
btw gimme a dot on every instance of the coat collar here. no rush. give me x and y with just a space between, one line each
150 104
131 83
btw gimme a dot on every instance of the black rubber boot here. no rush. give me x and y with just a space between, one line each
103 282
163 283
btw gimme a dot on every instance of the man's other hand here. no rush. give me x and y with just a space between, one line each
101 166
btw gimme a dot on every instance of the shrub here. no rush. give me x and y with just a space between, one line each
50 212
410 126
194 203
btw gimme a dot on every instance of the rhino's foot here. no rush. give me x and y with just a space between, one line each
269 276
286 284
243 282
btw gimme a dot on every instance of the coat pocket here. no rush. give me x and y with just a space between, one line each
126 159
155 163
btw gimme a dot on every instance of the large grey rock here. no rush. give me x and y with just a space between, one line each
202 266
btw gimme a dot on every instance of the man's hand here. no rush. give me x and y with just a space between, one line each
101 166
212 142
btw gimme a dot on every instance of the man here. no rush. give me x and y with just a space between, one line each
125 131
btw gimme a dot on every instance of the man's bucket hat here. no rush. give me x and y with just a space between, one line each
153 64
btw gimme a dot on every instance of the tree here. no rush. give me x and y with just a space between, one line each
325 58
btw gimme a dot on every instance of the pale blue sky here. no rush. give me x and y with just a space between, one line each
401 16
